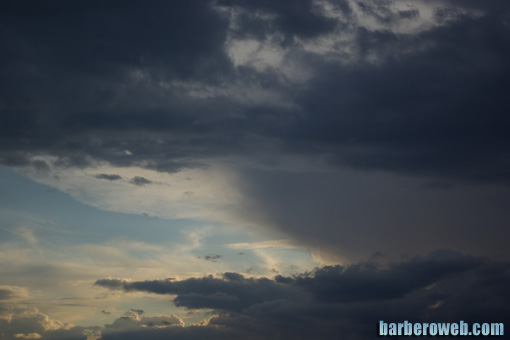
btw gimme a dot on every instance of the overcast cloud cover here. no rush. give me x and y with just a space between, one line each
236 145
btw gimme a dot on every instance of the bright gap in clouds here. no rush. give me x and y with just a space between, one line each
55 246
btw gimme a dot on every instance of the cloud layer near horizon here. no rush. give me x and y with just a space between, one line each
326 303
335 301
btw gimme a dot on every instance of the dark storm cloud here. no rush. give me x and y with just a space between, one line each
382 13
356 283
232 292
335 301
354 214
109 177
365 282
293 19
140 181
100 81
428 112
71 75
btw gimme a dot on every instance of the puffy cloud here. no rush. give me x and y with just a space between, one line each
30 323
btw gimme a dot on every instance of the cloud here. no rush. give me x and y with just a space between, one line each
376 95
107 57
365 282
26 234
281 96
109 177
215 197
12 293
347 127
131 319
212 258
342 301
232 292
356 283
30 323
346 215
160 327
140 181
293 20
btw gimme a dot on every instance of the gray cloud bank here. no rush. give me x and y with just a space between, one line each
152 84
336 302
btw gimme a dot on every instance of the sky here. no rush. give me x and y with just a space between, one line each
252 169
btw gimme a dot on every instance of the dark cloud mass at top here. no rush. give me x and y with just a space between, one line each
89 80
71 76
